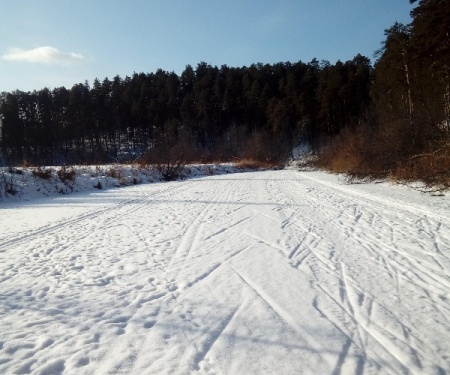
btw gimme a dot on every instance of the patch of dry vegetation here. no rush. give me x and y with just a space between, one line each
66 174
254 164
394 152
42 172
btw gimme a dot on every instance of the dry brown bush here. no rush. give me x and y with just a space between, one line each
257 164
44 173
66 174
396 151
169 161
367 154
265 150
114 173
431 168
343 154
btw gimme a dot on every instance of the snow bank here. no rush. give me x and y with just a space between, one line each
31 183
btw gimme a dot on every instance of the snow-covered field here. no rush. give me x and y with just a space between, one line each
275 272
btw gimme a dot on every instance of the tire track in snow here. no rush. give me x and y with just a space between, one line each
369 199
50 238
99 222
280 312
351 220
429 271
116 213
440 281
83 218
292 221
227 227
197 237
206 274
404 213
207 345
192 234
352 309
39 232
352 306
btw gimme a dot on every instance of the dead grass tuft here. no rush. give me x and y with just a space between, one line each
66 174
255 164
43 173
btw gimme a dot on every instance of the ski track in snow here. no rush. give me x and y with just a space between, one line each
276 272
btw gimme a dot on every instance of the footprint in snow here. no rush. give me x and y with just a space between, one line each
149 324
83 361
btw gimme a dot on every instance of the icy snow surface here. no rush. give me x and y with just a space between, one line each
276 272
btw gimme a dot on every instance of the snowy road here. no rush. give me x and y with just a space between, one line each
277 272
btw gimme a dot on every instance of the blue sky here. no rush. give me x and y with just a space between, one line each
52 43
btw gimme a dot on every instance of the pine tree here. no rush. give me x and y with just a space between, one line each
431 48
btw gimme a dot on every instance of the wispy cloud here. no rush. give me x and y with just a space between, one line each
275 19
45 55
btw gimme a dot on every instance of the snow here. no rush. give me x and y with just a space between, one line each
273 272
18 184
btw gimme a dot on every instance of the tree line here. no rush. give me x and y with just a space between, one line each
214 111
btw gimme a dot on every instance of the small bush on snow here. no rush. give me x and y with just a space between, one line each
258 164
114 173
44 173
66 174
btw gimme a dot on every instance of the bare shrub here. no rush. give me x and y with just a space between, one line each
170 156
431 168
343 154
43 173
27 164
395 150
172 167
118 173
307 164
114 173
258 164
263 150
66 174
98 171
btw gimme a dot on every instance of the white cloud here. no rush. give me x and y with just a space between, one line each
45 55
